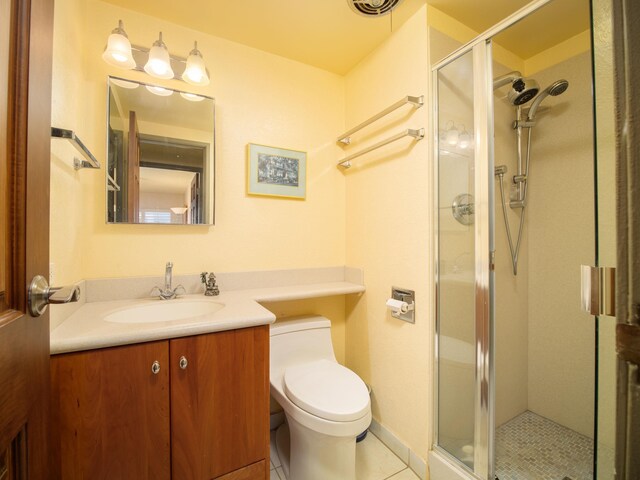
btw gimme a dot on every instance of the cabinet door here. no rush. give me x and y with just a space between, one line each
111 413
219 402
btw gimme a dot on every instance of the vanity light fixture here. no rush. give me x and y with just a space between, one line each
118 50
161 92
159 63
156 61
195 73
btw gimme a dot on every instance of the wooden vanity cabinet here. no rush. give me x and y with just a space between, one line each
220 403
204 415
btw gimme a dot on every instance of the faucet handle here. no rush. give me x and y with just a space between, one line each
169 264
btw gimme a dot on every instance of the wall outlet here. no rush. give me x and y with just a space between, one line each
52 273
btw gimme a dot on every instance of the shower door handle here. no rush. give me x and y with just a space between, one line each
598 287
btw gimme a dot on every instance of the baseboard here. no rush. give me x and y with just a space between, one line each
393 443
442 468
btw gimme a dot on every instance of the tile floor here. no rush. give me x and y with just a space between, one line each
374 461
531 447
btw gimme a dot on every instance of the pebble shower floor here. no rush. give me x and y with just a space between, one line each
531 447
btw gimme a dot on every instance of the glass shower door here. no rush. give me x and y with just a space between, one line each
605 234
464 242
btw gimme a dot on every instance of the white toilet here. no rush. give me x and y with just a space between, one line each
326 405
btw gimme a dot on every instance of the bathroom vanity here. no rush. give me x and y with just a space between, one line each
187 408
150 389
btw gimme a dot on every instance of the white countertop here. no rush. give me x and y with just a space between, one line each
86 328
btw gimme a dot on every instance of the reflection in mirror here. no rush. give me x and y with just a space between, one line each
160 155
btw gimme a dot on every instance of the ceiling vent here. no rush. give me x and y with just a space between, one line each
373 8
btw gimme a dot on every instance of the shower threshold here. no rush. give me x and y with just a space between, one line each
532 447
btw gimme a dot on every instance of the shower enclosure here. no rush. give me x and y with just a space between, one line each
525 379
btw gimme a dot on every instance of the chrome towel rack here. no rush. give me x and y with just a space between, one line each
112 185
417 134
417 102
89 160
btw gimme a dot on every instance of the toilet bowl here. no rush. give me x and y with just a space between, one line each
326 405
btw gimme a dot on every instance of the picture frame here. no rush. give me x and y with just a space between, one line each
276 172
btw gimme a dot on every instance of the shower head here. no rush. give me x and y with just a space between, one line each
503 80
522 89
556 88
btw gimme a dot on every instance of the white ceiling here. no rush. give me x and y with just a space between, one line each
329 35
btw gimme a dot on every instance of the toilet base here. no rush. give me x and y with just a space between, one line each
308 455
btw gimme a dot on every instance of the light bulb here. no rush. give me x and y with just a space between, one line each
118 49
452 135
464 140
195 71
160 91
159 63
192 97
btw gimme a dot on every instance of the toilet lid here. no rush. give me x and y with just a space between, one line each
327 390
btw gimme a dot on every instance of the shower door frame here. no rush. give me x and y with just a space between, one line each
484 228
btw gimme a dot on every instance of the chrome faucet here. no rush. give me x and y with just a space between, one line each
167 293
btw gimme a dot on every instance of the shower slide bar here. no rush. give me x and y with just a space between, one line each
417 102
417 134
89 160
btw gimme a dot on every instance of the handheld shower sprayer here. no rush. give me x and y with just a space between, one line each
556 88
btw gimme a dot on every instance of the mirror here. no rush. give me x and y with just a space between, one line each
160 155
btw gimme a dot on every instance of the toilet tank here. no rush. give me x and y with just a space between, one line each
300 340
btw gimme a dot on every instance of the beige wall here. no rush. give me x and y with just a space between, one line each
561 238
389 234
69 188
260 98
511 291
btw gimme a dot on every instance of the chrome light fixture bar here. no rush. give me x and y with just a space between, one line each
155 61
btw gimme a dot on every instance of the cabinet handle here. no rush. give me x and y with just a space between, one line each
155 367
183 362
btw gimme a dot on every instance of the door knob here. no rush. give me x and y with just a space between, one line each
40 294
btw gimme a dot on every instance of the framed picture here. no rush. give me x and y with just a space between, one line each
276 172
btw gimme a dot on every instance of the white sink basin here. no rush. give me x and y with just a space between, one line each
164 311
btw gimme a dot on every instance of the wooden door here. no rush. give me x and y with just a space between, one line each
111 413
194 216
220 404
133 171
25 131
